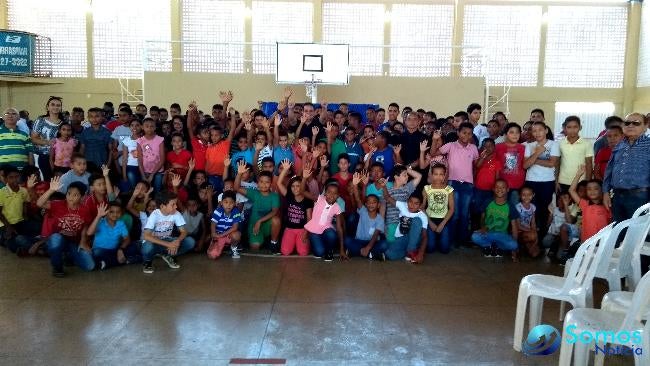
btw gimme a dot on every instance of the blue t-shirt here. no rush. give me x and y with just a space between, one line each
246 155
355 152
109 237
386 158
225 222
280 154
367 226
95 143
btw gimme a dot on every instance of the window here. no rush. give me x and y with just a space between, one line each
502 43
119 37
64 23
422 35
644 48
273 23
213 36
592 116
585 46
362 27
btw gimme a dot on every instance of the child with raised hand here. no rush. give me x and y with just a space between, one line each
178 158
111 246
151 155
199 136
401 189
69 223
62 147
595 215
130 165
141 205
367 241
527 224
100 190
264 221
493 235
322 234
224 227
158 237
438 198
298 211
281 149
216 154
511 154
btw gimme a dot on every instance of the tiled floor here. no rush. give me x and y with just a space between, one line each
453 310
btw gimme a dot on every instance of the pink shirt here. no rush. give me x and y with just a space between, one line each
151 154
63 152
322 215
460 160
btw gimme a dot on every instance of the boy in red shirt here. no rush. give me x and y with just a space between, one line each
614 136
511 154
178 159
199 142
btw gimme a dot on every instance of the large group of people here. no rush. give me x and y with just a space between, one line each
99 189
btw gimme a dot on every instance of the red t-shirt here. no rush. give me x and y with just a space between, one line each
112 125
512 158
594 218
198 150
90 203
344 192
602 158
486 175
67 222
39 189
182 159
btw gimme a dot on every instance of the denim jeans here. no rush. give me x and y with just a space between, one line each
58 244
542 199
149 249
624 203
26 231
354 246
407 243
133 175
323 243
217 183
438 241
463 193
109 256
502 240
157 181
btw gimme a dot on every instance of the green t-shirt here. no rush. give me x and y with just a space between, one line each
498 217
262 204
338 148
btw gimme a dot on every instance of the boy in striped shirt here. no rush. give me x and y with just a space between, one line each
225 227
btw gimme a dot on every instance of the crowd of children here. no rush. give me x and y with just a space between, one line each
131 187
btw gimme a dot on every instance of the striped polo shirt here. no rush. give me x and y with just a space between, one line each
15 146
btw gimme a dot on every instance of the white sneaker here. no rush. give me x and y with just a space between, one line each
170 261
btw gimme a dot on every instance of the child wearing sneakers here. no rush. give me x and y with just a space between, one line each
367 241
438 198
225 227
158 234
411 234
494 224
527 224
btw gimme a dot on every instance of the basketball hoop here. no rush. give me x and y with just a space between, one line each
311 88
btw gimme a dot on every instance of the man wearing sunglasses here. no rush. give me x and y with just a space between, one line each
626 184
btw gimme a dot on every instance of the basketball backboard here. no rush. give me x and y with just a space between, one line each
302 63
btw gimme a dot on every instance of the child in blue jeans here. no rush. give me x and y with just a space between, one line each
494 224
111 246
158 234
411 234
367 241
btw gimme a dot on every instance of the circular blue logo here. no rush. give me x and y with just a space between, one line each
542 340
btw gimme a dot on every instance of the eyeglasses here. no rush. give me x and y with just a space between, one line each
11 114
633 123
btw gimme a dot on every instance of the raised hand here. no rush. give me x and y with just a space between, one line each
248 125
191 164
303 145
323 161
397 148
227 160
176 180
105 170
102 209
423 145
328 127
193 106
381 183
287 93
55 184
365 177
286 165
241 167
356 178
304 118
226 97
277 121
31 181
306 171
314 130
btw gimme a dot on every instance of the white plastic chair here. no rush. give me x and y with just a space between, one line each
599 320
574 288
641 250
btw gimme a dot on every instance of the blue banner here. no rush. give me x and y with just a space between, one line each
17 53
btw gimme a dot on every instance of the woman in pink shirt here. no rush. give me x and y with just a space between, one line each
151 154
322 234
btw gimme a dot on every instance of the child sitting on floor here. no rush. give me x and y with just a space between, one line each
225 227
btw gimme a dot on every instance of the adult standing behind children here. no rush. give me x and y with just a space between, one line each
628 172
45 129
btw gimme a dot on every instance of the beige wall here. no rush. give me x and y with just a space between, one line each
642 102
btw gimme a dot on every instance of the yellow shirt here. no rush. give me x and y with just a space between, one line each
437 201
13 204
573 155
